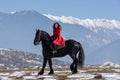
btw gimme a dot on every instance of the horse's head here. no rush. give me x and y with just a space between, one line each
42 36
37 37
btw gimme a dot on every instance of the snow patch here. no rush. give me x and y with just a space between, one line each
82 76
110 64
30 78
111 76
17 74
5 78
5 49
13 12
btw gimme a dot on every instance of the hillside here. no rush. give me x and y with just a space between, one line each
19 59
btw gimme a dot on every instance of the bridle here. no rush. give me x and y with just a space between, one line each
39 37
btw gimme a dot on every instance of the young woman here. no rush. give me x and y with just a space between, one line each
58 40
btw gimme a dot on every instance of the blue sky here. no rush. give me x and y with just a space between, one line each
108 9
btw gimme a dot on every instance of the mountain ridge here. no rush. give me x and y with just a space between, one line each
93 24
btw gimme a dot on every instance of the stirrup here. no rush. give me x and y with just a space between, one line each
54 51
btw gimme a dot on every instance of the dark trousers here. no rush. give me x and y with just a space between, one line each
55 46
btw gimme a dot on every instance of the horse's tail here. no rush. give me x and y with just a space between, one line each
81 56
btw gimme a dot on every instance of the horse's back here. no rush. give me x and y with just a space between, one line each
71 42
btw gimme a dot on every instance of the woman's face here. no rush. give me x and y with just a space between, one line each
56 25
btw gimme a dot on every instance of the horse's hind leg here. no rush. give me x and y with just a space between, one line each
50 65
43 67
73 66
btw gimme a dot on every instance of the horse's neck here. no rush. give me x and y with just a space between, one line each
46 37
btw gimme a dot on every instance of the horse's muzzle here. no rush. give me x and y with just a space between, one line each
35 43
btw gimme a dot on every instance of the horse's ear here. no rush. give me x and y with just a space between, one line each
36 29
39 30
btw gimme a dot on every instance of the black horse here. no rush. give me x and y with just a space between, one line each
71 48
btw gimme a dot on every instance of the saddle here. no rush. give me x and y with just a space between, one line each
61 46
58 47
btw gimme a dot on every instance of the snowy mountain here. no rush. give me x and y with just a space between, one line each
19 59
93 24
110 29
17 30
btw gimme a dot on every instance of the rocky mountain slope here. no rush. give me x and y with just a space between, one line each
19 59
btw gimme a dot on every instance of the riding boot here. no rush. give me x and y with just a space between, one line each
54 48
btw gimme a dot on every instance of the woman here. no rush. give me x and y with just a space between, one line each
58 40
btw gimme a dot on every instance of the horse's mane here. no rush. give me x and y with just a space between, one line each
46 33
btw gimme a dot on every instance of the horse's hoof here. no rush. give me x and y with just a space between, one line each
50 73
40 73
74 72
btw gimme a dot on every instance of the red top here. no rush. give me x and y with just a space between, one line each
58 39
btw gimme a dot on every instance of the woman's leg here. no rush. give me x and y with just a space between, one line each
55 48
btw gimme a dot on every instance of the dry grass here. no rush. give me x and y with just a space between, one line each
60 74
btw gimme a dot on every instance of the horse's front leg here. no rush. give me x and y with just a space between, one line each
50 65
43 67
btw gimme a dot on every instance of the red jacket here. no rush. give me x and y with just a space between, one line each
58 39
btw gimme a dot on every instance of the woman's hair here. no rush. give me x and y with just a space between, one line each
58 25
